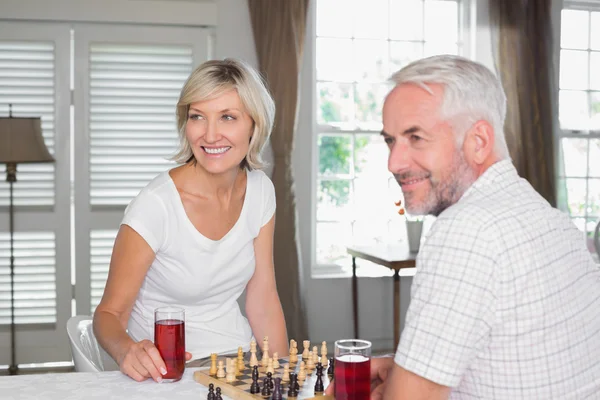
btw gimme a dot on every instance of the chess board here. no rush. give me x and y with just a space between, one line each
240 389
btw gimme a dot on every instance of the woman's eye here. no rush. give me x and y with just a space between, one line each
195 116
228 117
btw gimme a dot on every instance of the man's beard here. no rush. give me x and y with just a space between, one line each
444 192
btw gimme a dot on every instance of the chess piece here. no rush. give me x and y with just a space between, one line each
315 355
253 358
220 370
293 351
306 345
266 390
231 370
255 387
302 372
277 394
310 361
270 367
270 379
330 369
218 396
275 360
265 349
286 373
319 387
240 361
213 364
211 392
294 388
324 353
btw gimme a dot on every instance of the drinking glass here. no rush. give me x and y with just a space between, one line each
169 339
352 369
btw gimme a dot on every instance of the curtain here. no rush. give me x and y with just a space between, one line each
279 28
524 58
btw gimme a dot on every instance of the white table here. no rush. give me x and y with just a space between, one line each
98 385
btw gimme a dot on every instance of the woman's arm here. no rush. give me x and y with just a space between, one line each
130 261
263 306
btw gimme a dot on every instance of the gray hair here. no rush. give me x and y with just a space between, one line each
215 77
471 92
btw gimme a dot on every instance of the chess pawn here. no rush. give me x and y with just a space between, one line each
275 360
286 373
240 361
253 358
306 345
270 366
230 377
218 395
220 370
310 361
315 355
213 364
302 372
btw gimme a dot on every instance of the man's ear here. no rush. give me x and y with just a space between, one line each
479 142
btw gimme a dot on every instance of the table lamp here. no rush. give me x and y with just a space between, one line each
21 141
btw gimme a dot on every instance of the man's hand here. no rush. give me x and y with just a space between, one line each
380 369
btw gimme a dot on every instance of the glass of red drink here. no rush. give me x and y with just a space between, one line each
169 339
352 370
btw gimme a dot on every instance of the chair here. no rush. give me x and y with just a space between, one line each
88 356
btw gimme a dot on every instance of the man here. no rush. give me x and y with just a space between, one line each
506 300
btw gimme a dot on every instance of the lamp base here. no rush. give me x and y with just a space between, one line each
11 172
13 370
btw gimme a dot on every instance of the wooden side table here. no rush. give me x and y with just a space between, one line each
395 257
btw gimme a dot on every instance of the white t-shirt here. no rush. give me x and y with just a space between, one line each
204 276
505 303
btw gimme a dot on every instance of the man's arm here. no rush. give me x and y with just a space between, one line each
404 385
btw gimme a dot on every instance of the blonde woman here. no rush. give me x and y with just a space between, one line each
200 234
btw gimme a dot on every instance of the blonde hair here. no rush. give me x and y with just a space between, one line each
215 77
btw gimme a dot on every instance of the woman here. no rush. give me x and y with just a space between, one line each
200 234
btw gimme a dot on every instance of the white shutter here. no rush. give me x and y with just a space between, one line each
126 90
133 92
27 82
101 245
34 77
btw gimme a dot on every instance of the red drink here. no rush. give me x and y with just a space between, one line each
169 339
352 377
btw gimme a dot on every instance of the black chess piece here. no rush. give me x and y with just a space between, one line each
270 377
319 388
254 387
211 392
331 367
294 386
218 396
255 372
277 394
266 390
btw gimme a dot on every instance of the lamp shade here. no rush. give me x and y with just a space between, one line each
21 141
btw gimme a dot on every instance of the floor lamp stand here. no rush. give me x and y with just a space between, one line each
11 178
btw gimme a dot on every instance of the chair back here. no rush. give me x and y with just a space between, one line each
88 356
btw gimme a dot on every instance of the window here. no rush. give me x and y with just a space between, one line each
579 114
359 44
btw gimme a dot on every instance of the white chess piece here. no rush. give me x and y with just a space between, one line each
302 371
220 370
240 361
293 351
230 377
275 360
265 356
286 373
253 358
306 345
310 361
315 355
324 360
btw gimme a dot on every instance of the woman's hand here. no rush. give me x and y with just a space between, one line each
143 361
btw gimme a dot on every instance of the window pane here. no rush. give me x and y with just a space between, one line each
594 197
406 19
334 60
595 69
370 231
332 239
368 19
370 156
402 53
372 199
575 156
435 48
369 102
334 18
573 110
574 29
576 192
441 21
334 201
573 69
335 154
595 45
595 111
371 60
579 223
335 103
594 158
